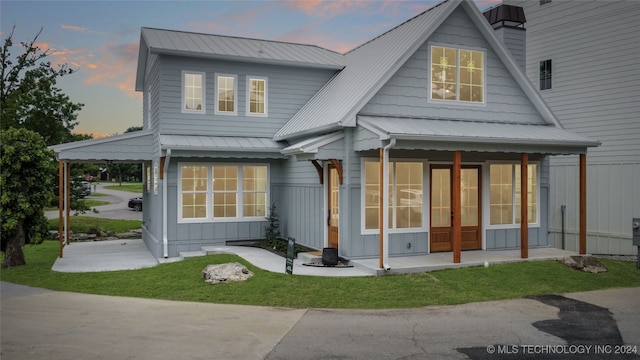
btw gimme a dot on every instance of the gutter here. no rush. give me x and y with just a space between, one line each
165 170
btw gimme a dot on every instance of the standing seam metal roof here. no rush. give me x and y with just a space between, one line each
371 65
239 49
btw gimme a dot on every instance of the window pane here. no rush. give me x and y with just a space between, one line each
440 197
372 195
226 95
469 197
254 185
194 205
443 73
532 193
257 91
501 194
408 195
471 76
225 187
193 91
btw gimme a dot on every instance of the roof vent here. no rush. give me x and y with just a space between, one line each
506 16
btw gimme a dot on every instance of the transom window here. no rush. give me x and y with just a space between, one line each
222 192
505 194
257 96
226 94
405 195
457 74
193 92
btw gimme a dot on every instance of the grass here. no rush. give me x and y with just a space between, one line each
82 224
182 281
131 187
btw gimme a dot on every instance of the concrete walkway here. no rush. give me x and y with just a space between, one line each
111 255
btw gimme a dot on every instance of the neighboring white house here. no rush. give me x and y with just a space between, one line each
583 56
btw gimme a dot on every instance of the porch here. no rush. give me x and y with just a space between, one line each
117 255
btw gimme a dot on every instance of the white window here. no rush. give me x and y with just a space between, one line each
222 192
457 74
504 198
257 96
193 92
406 205
226 98
155 179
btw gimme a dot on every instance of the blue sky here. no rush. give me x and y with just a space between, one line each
100 38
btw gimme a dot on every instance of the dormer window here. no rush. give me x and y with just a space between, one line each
457 74
193 92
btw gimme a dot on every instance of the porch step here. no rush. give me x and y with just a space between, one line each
312 257
192 254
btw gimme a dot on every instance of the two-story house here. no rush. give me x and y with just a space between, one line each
427 138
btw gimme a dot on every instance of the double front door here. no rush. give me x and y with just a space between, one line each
441 233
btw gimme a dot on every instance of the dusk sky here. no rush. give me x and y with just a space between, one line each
100 39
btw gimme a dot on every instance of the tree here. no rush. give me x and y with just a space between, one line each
29 97
25 165
127 170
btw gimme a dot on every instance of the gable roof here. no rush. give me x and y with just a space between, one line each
172 42
371 65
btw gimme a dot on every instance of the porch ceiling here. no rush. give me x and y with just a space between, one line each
438 134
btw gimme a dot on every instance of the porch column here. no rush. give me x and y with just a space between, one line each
61 204
524 206
583 204
457 206
380 204
67 206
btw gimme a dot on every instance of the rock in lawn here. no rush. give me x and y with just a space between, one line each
584 263
223 273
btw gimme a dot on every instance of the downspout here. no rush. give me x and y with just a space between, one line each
165 171
385 205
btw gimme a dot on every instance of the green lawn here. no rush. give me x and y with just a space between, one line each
82 224
182 281
131 187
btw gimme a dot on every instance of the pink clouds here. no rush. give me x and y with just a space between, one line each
74 28
324 8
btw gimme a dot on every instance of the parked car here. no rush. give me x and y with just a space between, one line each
136 203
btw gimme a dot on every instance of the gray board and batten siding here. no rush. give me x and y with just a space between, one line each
593 46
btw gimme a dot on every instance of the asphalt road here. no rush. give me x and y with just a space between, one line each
116 209
42 324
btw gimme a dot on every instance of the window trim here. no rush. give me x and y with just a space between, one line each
486 208
217 110
248 96
425 209
239 194
457 101
184 110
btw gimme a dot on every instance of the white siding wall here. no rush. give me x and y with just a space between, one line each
594 50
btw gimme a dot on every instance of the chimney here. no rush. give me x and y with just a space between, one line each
508 23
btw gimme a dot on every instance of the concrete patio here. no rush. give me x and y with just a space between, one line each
113 255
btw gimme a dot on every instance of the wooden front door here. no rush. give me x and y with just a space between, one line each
333 215
442 208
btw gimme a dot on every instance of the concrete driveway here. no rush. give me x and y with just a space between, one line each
41 324
116 209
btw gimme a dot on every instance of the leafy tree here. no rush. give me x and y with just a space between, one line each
127 170
25 165
29 97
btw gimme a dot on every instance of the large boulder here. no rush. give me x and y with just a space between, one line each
223 273
584 263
